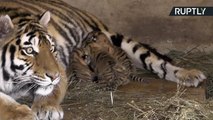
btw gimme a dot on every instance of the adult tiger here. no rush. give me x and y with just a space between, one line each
29 42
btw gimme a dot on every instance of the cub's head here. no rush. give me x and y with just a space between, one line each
85 59
28 58
81 56
79 68
98 41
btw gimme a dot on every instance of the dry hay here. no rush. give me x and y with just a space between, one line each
89 103
174 108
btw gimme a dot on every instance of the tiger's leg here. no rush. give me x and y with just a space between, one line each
11 110
145 56
48 107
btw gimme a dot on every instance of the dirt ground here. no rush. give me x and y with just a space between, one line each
84 102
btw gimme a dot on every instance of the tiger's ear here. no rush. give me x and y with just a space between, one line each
6 25
45 18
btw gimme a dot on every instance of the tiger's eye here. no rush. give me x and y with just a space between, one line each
94 38
85 57
29 50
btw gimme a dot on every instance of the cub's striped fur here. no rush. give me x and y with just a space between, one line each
109 64
37 35
78 69
109 73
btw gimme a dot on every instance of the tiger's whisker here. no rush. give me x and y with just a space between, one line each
31 87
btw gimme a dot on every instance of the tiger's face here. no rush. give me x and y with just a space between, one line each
81 55
37 52
95 44
29 60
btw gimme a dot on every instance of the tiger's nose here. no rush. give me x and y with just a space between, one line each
52 76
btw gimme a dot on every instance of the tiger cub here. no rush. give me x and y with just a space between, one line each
109 65
78 69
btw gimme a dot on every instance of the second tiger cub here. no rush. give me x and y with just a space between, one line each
109 65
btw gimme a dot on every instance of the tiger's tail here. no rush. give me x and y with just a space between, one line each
150 59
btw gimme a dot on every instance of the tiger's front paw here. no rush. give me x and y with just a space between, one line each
22 112
189 77
48 112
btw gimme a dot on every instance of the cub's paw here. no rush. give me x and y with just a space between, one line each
111 86
189 77
48 112
106 87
